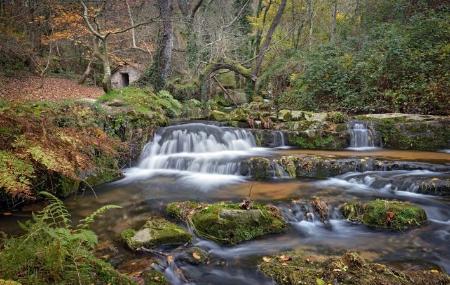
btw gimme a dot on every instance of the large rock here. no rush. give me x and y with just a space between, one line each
155 232
298 268
226 223
378 213
411 131
259 168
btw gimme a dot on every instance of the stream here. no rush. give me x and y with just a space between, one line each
200 162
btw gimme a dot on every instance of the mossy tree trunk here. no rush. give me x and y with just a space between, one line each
214 67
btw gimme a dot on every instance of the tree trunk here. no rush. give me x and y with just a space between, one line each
106 82
133 31
86 73
333 22
164 56
310 18
268 39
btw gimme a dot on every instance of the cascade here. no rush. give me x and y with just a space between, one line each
278 139
197 147
362 137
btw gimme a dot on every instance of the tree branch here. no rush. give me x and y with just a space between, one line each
85 16
132 27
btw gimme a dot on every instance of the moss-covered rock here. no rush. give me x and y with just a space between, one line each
155 232
350 268
407 131
227 223
219 116
379 213
154 277
259 168
310 139
337 117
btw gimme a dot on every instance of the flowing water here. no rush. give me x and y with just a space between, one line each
362 136
201 162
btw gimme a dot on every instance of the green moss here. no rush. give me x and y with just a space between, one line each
143 100
8 282
297 267
156 231
219 116
154 277
228 224
289 164
336 117
330 141
67 186
401 133
385 214
259 168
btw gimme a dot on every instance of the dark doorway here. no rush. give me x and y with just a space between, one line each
125 79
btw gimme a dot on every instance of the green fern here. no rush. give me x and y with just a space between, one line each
53 252
86 222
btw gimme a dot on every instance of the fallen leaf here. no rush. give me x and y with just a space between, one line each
196 255
284 258
267 259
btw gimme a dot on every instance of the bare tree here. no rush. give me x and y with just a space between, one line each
100 41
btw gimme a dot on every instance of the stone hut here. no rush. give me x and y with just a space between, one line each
125 74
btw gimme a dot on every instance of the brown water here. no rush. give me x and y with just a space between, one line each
142 196
406 155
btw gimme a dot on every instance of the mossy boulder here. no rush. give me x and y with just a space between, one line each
259 168
227 223
379 213
350 268
155 232
219 116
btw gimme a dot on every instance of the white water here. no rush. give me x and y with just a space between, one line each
200 154
361 137
279 140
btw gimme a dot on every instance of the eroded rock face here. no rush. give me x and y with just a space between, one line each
226 223
322 167
394 215
155 232
350 268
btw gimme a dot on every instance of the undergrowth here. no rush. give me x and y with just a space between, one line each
52 251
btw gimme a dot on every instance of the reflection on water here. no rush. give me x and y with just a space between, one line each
428 156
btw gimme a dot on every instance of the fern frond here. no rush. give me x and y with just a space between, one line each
86 222
55 214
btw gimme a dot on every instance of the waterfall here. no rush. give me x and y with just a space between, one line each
279 139
362 136
197 148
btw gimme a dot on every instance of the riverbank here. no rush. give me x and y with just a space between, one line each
66 146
